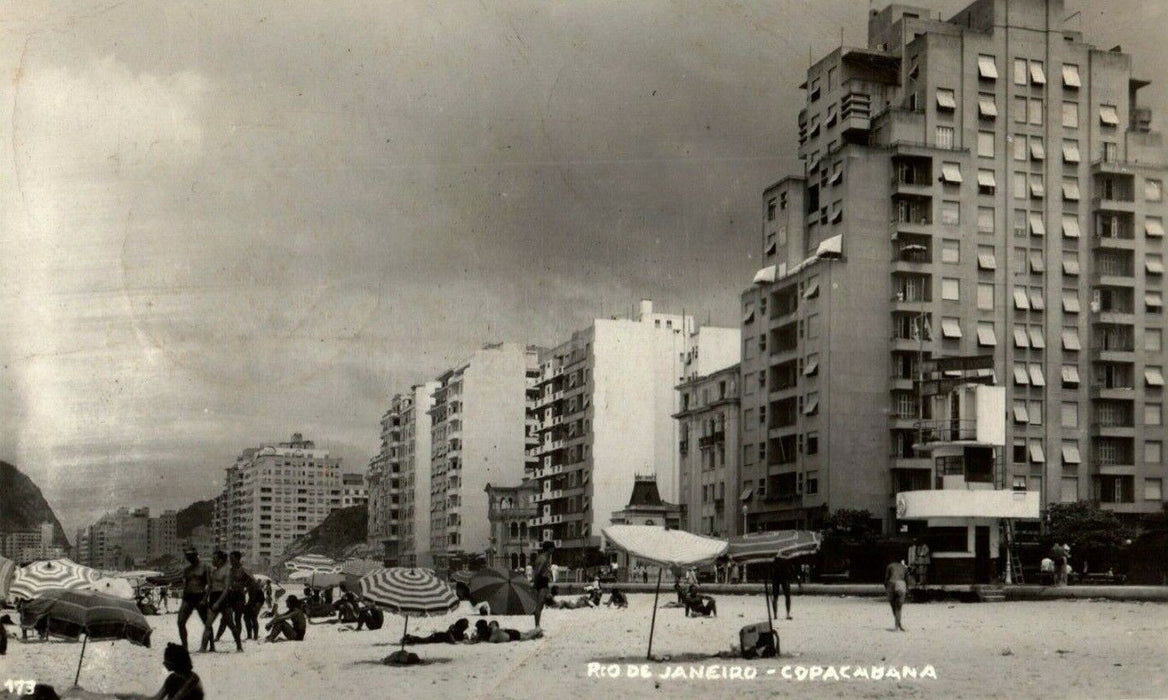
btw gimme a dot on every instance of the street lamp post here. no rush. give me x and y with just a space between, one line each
745 531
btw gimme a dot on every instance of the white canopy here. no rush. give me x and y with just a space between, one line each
655 544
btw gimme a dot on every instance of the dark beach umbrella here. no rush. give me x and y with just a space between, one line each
74 613
507 592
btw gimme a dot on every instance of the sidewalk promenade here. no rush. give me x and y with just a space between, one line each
1012 593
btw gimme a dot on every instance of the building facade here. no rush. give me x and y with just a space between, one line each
480 434
354 491
708 453
274 494
605 410
509 510
987 185
127 538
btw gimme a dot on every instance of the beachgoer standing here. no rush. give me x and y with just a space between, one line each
268 595
220 600
541 574
780 580
896 584
196 579
1059 554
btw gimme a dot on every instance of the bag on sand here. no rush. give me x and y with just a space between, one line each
758 641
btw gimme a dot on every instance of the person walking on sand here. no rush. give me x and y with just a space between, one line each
220 600
541 577
196 579
780 580
896 584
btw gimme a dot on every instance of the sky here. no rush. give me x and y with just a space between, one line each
222 223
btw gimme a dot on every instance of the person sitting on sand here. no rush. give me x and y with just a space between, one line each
501 635
370 617
698 604
182 683
291 624
348 607
617 599
452 635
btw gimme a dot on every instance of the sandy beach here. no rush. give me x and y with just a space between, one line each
1064 649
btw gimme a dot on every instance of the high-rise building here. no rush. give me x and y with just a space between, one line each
127 538
986 186
605 410
274 494
354 491
708 454
480 434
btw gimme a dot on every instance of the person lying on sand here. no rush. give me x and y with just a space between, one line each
591 600
493 633
452 635
291 624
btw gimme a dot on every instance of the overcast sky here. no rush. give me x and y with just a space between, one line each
225 222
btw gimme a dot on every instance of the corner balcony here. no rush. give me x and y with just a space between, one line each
960 503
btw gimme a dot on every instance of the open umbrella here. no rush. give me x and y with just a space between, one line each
326 580
672 548
113 587
507 592
354 569
7 573
408 592
169 577
73 613
313 562
768 546
42 576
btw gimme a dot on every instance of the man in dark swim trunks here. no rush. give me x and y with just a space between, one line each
291 625
219 599
542 577
196 578
235 608
780 580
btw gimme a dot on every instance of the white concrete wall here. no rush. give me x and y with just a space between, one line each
718 348
423 401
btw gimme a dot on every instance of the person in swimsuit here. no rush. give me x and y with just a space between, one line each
780 580
896 583
196 578
291 625
240 586
220 601
542 580
500 635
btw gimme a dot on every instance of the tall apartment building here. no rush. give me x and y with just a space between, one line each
708 431
127 538
986 185
605 410
354 491
274 494
399 480
480 434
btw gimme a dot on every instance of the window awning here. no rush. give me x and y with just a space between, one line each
1071 454
837 176
812 407
950 328
1020 375
1108 115
1037 150
1071 303
1071 191
830 121
748 317
1071 266
987 261
1036 264
1037 190
1071 339
1071 227
831 248
945 99
771 248
1154 376
1036 339
951 174
837 214
1036 301
1037 75
746 493
1070 152
1153 300
986 68
1154 227
1154 266
1020 339
812 290
1021 302
1036 454
986 336
1071 76
1036 378
1020 414
986 108
810 368
766 275
1037 225
985 178
1071 375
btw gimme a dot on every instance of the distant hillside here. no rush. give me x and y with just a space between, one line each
342 532
194 515
23 507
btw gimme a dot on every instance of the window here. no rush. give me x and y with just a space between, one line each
1153 414
1020 77
1071 115
1070 151
950 251
1036 376
1019 483
945 137
1153 339
985 219
985 143
951 173
1154 227
1037 339
950 213
1153 452
1071 301
1035 112
812 443
1020 152
1035 409
1070 375
1068 489
811 405
985 258
950 328
1021 376
1037 187
1154 376
986 183
1021 340
1153 301
1153 489
1037 149
1037 76
770 210
1071 76
985 334
950 289
1070 452
1070 189
1020 106
985 297
1037 225
1021 301
1020 185
1019 454
1153 190
1071 226
986 68
1037 456
1069 415
1020 414
1154 263
811 366
946 99
812 482
1110 152
1036 264
813 326
1108 115
986 107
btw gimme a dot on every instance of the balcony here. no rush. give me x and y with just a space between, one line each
960 503
1112 430
912 226
1111 392
712 439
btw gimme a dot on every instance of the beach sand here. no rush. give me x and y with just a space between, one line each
1064 649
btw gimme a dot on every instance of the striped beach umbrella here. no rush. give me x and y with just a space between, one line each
507 592
73 613
7 573
42 576
315 563
766 546
354 569
408 592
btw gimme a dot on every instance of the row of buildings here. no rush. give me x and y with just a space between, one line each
30 545
960 322
127 539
